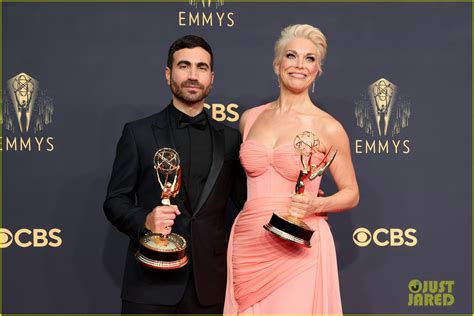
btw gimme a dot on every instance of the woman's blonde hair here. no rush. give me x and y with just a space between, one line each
301 31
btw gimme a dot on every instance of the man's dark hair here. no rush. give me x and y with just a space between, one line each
189 41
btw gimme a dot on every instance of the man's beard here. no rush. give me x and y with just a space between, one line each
180 93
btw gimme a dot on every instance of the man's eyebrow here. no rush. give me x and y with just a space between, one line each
183 62
200 64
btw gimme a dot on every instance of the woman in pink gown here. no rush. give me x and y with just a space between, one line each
268 275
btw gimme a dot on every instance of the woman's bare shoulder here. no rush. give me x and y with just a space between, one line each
248 113
329 125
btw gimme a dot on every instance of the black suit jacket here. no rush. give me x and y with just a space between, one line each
134 191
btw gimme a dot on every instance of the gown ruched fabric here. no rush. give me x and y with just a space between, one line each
268 275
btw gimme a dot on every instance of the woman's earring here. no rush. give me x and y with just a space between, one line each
312 90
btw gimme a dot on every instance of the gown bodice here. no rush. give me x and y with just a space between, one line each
273 171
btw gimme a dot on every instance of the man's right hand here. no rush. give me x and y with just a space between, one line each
161 218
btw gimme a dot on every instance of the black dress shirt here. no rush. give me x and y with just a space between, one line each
194 146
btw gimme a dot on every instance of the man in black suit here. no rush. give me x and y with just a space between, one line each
211 174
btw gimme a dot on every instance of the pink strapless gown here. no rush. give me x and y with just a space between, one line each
268 275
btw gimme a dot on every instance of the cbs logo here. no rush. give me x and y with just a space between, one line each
24 238
220 112
394 237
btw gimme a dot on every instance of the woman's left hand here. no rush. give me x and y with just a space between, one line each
305 204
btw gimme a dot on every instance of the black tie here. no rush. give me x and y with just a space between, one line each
199 121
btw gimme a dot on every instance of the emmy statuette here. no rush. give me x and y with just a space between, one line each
161 251
289 227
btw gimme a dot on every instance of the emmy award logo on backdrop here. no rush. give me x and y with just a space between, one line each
208 13
27 108
26 111
382 95
24 90
205 3
382 113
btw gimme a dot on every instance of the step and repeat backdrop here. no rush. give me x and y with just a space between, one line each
397 76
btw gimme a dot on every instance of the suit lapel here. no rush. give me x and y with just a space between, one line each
218 148
164 139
